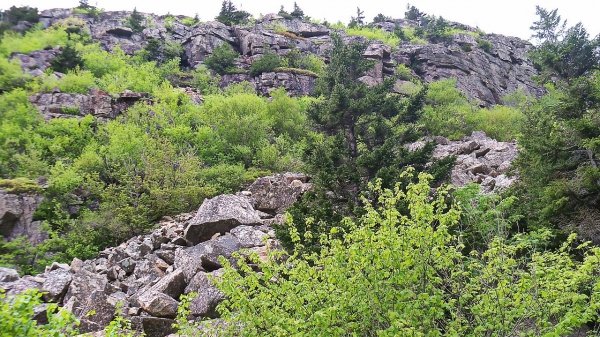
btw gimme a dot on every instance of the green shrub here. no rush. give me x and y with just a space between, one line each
91 11
375 34
135 21
222 59
78 81
162 51
403 72
101 62
266 63
400 270
16 317
190 21
15 14
499 122
20 185
484 44
205 82
11 75
445 110
33 40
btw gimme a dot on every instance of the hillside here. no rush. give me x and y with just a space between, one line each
149 176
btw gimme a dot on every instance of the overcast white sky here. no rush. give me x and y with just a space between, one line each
508 17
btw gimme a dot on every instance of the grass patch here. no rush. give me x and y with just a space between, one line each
389 39
20 185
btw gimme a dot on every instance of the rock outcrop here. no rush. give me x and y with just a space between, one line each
96 103
486 66
479 159
16 216
485 76
147 274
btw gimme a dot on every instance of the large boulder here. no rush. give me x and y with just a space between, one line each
153 326
87 298
56 284
200 42
274 194
219 215
208 296
16 216
158 304
205 256
8 275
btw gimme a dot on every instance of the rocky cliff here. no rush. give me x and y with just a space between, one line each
484 72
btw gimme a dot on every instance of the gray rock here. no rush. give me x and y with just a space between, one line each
16 217
56 285
219 215
249 236
8 275
479 159
274 194
158 304
172 284
208 296
483 76
153 326
205 256
20 285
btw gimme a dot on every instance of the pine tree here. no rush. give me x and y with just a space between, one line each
358 20
135 21
297 12
230 15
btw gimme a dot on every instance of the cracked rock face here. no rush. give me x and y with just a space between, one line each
483 76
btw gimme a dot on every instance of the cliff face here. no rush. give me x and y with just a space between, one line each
485 73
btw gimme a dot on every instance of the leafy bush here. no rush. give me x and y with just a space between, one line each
161 51
230 15
11 75
485 45
399 271
222 59
446 109
205 82
15 14
33 40
79 81
190 21
499 122
16 317
266 63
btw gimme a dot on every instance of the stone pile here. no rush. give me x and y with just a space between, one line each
479 159
147 274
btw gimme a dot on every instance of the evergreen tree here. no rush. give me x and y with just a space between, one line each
135 21
283 13
381 18
569 53
69 58
549 27
414 14
230 15
297 12
358 20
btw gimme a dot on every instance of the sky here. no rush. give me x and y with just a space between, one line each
507 17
